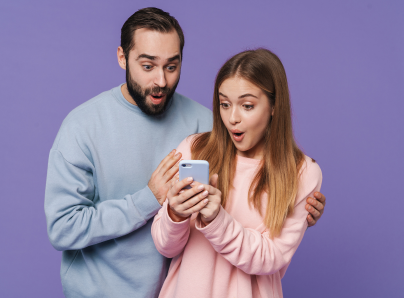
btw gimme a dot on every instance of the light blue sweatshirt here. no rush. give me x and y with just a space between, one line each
98 207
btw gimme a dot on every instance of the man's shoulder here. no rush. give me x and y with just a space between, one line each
89 107
85 117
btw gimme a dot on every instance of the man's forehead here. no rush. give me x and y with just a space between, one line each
161 45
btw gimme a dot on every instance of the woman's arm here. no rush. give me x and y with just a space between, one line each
254 252
169 237
171 226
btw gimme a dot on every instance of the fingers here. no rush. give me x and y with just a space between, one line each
310 220
198 207
171 172
316 204
191 204
169 164
174 180
180 185
190 193
313 211
213 180
210 188
319 196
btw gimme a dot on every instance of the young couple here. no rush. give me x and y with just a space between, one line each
109 175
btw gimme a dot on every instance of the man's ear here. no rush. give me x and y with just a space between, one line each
121 58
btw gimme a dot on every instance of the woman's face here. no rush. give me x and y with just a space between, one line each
245 111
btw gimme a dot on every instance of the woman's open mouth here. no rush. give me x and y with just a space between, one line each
238 136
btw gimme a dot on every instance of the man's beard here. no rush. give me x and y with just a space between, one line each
139 95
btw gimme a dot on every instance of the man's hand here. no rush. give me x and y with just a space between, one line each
315 208
160 180
183 202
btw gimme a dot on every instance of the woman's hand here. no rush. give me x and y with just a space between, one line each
210 211
183 202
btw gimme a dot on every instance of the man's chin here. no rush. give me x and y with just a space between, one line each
156 109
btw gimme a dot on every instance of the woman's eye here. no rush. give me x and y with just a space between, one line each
248 107
224 105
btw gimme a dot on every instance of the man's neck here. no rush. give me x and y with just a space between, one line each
126 95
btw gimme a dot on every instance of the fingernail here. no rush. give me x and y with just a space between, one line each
205 193
173 151
178 154
200 187
190 179
205 201
311 201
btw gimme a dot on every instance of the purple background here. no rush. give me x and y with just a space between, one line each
345 64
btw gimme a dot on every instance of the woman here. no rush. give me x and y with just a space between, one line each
236 236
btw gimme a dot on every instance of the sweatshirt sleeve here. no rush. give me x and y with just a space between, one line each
253 251
169 237
73 220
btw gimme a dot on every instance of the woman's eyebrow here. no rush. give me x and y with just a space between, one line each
247 95
222 94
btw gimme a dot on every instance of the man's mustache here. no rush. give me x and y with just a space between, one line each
157 89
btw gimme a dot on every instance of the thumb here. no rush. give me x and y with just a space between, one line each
213 180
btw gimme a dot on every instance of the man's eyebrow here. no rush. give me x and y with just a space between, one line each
176 57
247 95
146 56
220 93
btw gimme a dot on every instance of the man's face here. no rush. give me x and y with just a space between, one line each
153 69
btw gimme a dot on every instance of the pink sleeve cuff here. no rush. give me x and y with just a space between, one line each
214 225
171 226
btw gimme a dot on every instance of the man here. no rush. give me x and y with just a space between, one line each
105 180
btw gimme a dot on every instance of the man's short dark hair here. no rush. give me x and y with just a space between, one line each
151 18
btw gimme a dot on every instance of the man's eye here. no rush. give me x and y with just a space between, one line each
147 67
248 107
171 68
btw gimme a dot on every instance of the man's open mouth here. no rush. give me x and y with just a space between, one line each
157 98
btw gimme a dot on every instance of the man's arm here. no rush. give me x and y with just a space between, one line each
73 220
315 206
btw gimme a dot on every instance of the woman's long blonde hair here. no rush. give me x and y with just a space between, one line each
278 174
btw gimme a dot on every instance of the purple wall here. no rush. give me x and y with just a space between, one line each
345 65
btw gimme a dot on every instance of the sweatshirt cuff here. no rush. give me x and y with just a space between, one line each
146 203
171 225
214 225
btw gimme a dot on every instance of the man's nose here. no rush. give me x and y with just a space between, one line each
160 79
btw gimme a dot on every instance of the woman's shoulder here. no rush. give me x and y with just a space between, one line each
310 178
185 146
310 169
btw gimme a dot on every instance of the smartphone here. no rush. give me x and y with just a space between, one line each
197 169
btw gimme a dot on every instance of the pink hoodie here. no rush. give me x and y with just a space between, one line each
234 255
